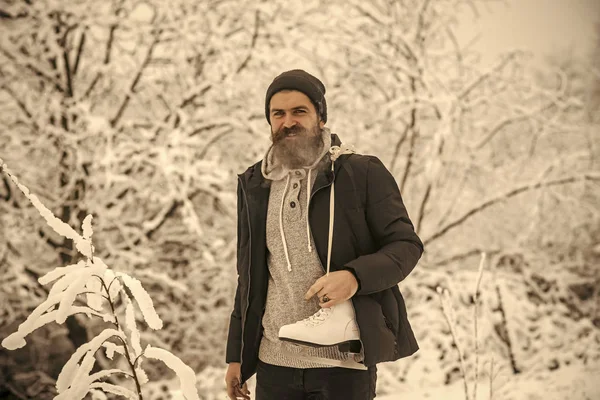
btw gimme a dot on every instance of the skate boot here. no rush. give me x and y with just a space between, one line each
332 326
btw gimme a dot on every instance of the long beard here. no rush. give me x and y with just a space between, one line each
301 151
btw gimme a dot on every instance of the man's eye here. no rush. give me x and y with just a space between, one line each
299 111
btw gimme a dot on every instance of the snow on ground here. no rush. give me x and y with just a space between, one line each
576 382
569 383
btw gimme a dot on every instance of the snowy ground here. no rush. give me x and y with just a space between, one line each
569 383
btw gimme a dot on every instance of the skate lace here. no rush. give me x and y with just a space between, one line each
318 317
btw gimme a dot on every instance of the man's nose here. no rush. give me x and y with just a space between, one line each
289 121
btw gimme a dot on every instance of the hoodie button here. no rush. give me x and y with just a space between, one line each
293 204
298 173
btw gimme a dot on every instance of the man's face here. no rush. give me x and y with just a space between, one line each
291 108
295 129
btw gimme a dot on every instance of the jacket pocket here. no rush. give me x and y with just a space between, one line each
389 325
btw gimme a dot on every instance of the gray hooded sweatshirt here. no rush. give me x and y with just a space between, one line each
294 265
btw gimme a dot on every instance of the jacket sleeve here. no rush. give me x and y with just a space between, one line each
399 246
234 338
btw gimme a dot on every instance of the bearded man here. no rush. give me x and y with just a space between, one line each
313 202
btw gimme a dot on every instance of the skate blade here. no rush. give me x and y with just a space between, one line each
350 346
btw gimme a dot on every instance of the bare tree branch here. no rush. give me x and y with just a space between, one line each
68 73
368 14
109 43
457 52
208 127
511 193
21 105
403 137
162 217
213 141
419 37
252 44
414 132
79 53
461 256
483 77
457 186
136 79
34 68
507 334
535 115
190 98
107 55
6 14
421 214
92 85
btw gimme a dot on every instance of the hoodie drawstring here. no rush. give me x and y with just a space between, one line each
285 249
308 189
331 212
335 151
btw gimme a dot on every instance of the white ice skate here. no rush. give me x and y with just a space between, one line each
330 326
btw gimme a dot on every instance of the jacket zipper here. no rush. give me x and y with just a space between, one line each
320 262
245 312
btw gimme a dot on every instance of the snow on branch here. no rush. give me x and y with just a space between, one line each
186 375
83 246
17 339
70 369
132 327
118 390
101 286
143 300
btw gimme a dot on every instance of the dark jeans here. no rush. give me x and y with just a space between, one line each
282 383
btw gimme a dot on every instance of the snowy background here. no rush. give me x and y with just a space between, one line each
140 113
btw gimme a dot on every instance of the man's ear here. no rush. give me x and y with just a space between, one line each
321 123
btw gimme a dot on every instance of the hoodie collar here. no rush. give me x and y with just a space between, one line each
254 178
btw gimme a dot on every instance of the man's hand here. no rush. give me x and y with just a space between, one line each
232 380
339 286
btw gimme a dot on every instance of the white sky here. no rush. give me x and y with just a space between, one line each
542 26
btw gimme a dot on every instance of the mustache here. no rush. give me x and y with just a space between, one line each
283 131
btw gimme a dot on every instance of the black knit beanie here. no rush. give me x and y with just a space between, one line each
302 81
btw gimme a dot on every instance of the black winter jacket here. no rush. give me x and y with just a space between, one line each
373 237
